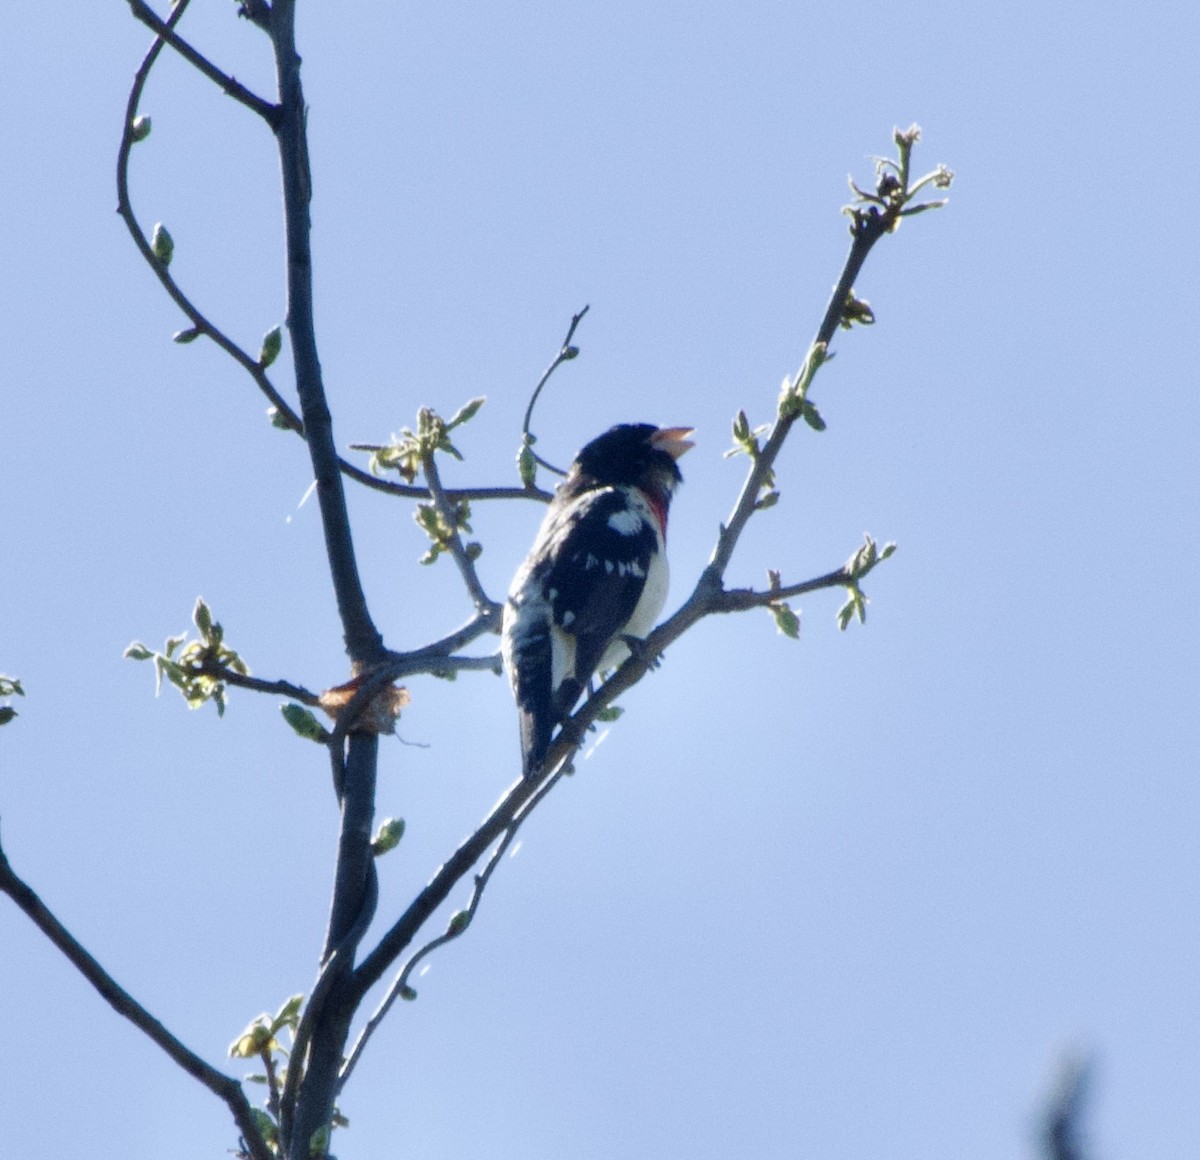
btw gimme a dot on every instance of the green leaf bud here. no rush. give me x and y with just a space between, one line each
162 244
272 344
388 836
303 721
526 465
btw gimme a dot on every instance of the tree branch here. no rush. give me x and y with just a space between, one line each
566 352
256 685
165 31
742 599
363 640
223 1086
448 875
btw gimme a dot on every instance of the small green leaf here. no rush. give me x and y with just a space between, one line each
202 618
303 722
610 713
272 344
855 606
288 1015
162 244
140 129
266 1126
786 621
318 1142
407 993
278 419
183 337
137 652
7 713
812 416
459 921
466 412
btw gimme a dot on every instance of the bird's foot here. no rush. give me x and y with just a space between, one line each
638 648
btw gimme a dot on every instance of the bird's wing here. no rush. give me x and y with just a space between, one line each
597 574
529 656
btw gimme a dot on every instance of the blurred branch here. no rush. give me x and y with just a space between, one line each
223 1086
1063 1127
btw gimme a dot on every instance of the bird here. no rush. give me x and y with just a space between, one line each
595 579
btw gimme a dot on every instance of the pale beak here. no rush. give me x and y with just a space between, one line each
673 440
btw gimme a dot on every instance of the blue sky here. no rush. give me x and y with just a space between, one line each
852 896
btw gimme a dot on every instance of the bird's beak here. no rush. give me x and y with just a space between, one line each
673 440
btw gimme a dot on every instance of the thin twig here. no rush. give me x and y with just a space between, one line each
165 31
453 494
566 352
483 622
742 599
257 685
223 1086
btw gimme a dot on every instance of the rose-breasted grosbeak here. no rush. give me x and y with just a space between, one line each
596 577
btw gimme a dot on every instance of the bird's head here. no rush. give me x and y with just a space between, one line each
636 454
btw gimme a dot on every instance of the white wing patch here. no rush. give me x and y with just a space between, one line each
627 522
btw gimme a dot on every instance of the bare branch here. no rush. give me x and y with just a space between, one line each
566 352
256 685
403 664
741 599
223 1086
453 494
165 31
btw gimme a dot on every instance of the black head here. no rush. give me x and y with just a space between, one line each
634 453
